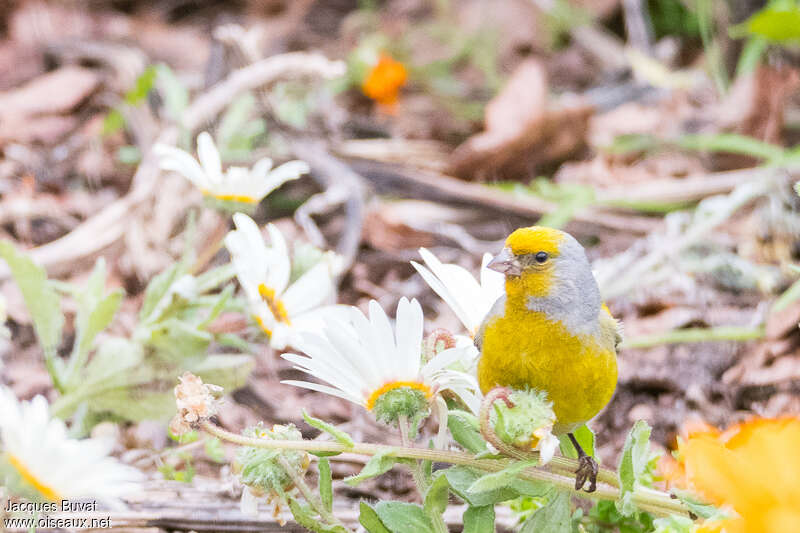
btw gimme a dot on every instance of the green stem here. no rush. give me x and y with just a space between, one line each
656 502
720 333
419 476
308 494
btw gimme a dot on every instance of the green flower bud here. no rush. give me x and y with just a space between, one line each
411 402
259 468
528 424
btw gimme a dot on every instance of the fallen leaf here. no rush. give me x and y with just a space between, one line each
52 93
523 129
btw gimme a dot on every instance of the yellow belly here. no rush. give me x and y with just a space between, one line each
578 372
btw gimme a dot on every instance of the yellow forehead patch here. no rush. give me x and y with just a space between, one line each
535 239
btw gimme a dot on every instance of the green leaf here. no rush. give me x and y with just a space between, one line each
113 122
700 508
378 464
370 519
330 429
632 465
95 313
158 290
214 450
176 340
498 480
306 517
325 484
464 428
778 24
436 497
461 478
401 517
674 524
141 86
174 93
585 437
43 304
554 517
479 519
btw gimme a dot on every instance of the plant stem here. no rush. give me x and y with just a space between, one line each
308 494
656 502
720 333
419 476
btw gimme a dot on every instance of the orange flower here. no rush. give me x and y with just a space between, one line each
752 468
383 82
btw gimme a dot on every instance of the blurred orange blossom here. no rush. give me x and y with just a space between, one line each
752 469
383 82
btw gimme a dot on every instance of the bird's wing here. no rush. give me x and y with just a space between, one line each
497 309
611 325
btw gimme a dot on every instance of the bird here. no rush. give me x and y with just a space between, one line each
550 331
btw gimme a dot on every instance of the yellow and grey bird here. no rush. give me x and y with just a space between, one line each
551 332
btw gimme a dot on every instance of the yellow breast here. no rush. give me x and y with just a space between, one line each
523 348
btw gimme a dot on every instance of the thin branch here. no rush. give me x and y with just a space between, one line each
656 502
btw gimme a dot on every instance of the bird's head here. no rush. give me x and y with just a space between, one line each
540 257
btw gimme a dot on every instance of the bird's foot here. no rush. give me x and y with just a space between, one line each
587 471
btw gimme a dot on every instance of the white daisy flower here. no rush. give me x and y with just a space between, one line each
469 299
237 184
281 309
40 459
363 358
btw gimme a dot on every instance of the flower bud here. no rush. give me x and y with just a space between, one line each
528 424
262 471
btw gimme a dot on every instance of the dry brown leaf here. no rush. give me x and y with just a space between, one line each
783 322
52 93
754 106
523 129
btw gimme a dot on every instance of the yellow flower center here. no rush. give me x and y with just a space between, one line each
231 197
377 393
28 476
275 306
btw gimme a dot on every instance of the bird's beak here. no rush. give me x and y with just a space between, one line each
505 263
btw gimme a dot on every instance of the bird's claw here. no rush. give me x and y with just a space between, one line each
587 471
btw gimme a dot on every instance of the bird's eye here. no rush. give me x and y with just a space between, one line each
541 257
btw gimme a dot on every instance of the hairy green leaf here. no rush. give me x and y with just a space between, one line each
464 428
435 501
325 483
378 464
340 436
401 517
479 519
503 478
553 517
370 520
633 464
306 517
42 302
